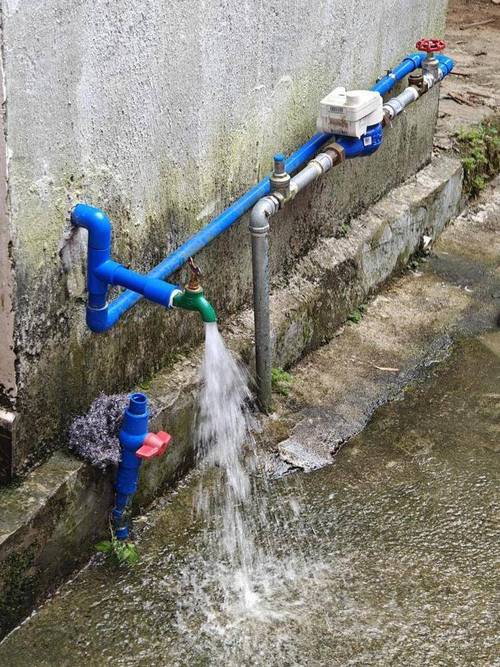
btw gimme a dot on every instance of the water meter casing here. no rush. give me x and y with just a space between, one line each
351 112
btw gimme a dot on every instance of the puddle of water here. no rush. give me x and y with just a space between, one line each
390 554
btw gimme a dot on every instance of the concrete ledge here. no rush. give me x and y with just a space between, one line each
53 519
339 274
47 527
405 330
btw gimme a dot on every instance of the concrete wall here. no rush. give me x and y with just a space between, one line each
7 355
161 113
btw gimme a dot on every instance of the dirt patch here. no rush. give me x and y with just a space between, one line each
472 92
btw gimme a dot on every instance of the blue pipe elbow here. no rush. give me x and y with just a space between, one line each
446 64
96 222
102 272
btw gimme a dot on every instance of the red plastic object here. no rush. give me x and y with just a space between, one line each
155 444
430 45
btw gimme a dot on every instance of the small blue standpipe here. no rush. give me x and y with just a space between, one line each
134 430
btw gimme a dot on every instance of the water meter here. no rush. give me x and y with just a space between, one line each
350 112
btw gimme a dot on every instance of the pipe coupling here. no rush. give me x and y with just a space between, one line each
397 105
416 79
332 155
336 152
322 163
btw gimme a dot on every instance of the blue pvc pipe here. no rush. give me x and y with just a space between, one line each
134 429
214 228
108 316
102 271
412 62
446 64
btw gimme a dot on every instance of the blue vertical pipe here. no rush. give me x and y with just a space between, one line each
102 271
134 429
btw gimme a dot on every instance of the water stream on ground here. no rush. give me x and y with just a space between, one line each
387 557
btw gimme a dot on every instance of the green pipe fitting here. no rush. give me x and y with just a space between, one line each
195 300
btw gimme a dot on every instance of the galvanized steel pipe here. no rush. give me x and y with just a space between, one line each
345 147
259 230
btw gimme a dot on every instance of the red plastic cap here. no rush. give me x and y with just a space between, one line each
431 45
155 444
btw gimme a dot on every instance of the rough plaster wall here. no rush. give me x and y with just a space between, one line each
160 113
7 356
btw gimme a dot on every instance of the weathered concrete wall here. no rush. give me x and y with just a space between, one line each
7 355
161 113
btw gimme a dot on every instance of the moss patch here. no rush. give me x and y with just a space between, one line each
16 580
479 149
357 314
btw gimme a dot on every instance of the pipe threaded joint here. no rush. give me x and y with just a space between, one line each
336 152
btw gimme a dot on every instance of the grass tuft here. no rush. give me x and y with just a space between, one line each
479 149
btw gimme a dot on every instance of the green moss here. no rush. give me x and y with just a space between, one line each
479 149
343 229
307 330
17 584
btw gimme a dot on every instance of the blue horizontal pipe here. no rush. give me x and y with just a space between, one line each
412 62
218 225
233 213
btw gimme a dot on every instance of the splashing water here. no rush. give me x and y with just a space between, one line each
253 580
223 429
224 420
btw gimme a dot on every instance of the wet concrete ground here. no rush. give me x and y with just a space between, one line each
452 292
386 558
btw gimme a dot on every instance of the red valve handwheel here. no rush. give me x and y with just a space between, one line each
430 45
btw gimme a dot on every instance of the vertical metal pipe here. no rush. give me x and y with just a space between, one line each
259 230
263 350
